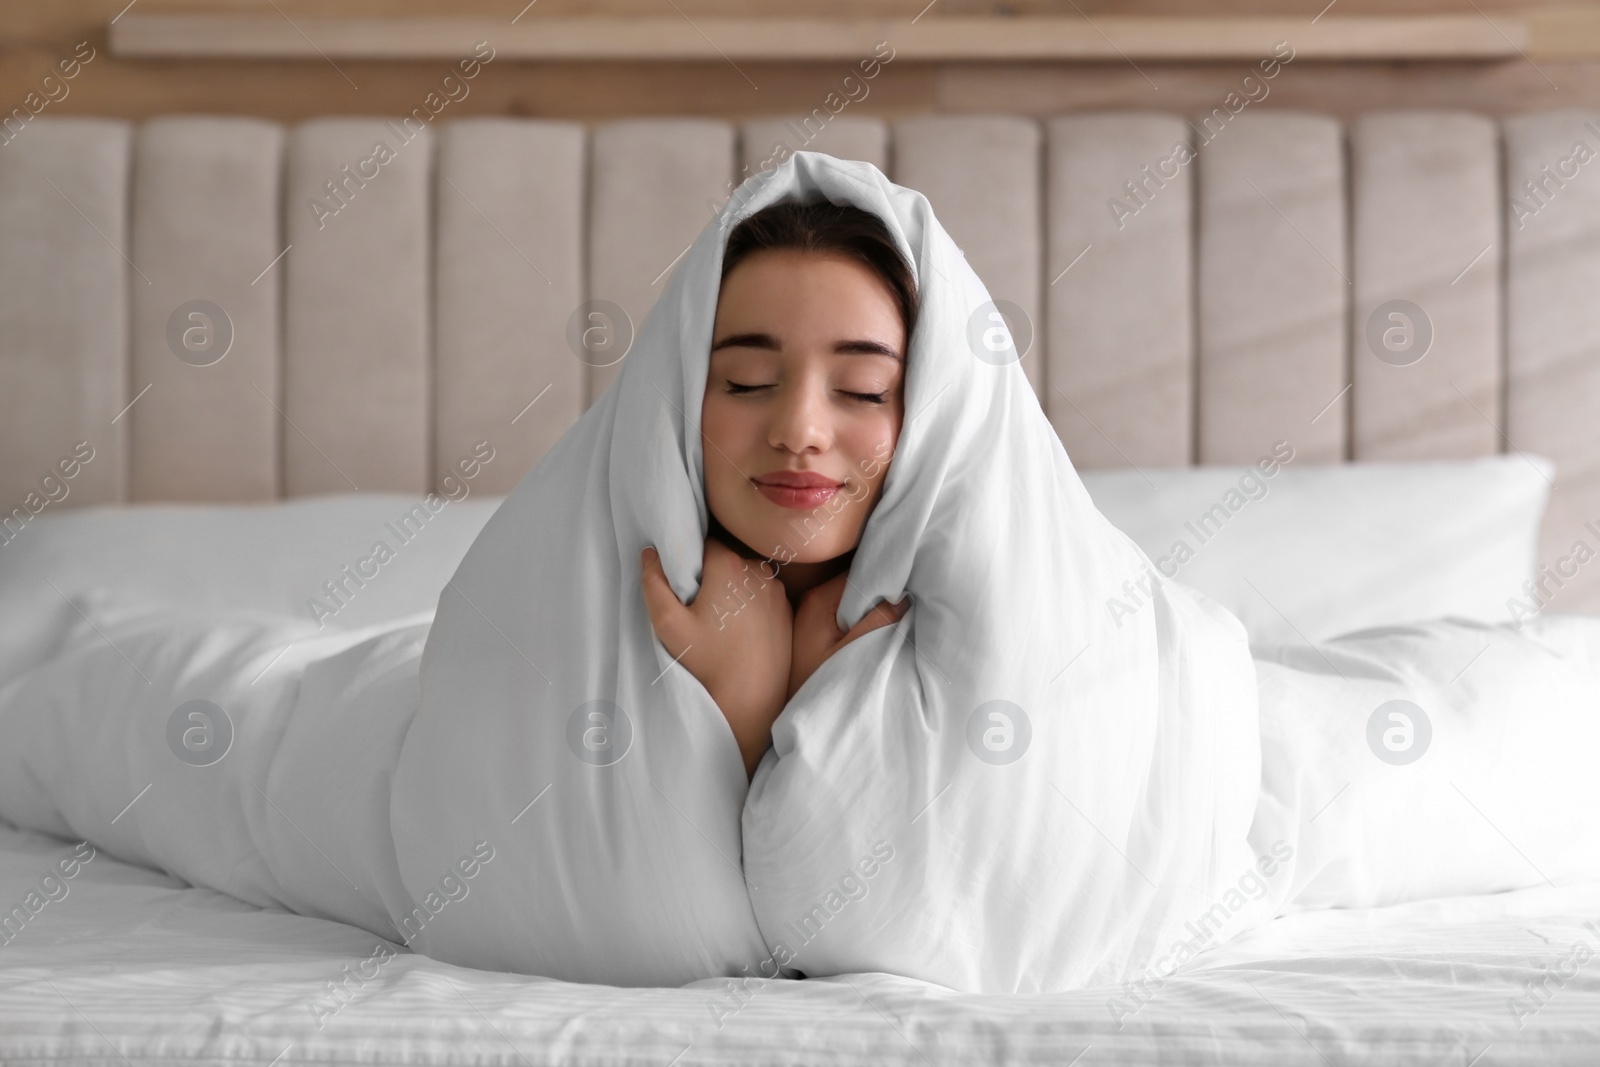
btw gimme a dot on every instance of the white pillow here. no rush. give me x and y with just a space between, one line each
255 559
1311 551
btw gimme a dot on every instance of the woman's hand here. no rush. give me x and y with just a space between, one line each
817 636
736 641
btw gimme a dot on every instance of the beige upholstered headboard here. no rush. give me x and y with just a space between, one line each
1196 288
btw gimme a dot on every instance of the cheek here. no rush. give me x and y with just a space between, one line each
871 446
725 433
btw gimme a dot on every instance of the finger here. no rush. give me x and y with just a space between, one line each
659 599
882 614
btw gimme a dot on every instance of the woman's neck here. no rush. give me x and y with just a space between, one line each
796 577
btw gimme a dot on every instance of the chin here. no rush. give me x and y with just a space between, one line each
779 542
816 550
820 554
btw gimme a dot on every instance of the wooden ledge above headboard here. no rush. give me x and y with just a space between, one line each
1566 32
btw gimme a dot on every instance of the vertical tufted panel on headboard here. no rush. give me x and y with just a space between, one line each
1119 283
981 173
1553 341
1274 287
64 278
358 329
1425 189
507 278
654 184
766 143
207 221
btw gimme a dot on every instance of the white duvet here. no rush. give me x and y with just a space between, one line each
1007 791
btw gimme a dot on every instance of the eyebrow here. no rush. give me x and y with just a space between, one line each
861 347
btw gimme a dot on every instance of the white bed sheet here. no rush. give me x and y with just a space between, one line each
133 967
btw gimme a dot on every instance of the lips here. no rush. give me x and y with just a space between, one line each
798 480
797 489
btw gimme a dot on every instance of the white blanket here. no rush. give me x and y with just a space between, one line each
936 795
1007 791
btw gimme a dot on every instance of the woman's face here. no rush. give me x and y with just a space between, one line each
807 377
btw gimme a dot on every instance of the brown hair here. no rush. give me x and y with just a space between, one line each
822 226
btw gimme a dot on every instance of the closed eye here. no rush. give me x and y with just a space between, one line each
735 389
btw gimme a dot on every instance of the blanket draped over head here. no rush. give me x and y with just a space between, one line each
1011 789
1004 791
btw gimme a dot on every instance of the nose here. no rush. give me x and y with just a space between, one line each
800 419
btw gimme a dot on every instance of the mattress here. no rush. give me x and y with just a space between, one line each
130 966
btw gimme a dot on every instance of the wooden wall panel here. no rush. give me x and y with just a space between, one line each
34 37
1342 90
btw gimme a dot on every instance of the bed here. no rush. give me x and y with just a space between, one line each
343 365
135 967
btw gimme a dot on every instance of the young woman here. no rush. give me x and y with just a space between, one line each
803 402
